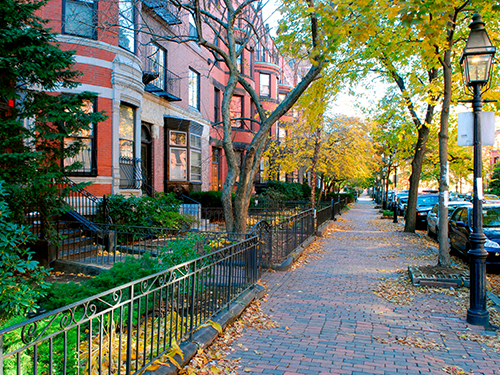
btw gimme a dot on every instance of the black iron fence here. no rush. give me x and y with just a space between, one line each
126 328
109 243
323 215
212 218
289 234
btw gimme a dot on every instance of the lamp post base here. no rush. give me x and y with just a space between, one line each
478 317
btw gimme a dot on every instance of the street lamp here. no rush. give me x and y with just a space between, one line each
394 201
476 61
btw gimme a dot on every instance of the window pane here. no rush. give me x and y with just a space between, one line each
178 138
265 83
195 141
235 110
84 157
178 164
194 84
156 63
192 26
126 131
126 37
79 18
84 137
195 166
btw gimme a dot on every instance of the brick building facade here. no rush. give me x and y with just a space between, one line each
162 98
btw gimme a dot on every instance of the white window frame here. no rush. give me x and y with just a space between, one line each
194 89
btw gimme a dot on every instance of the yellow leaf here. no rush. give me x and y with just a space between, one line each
154 366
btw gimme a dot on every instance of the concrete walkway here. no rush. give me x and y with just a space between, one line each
332 322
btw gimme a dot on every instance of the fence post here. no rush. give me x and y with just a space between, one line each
230 278
333 209
315 218
270 246
193 287
128 365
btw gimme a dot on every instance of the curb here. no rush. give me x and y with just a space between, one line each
203 337
290 259
418 279
288 262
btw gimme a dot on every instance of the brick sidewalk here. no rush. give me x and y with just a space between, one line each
331 322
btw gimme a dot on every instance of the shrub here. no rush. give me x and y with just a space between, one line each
131 269
387 213
182 250
286 191
19 273
161 211
207 198
337 196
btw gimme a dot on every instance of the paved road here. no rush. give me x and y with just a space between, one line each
332 322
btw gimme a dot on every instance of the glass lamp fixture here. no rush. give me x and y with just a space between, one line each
477 55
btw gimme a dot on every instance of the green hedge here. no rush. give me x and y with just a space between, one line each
286 191
160 211
336 196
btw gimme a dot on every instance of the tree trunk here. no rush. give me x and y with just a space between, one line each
416 170
317 143
444 254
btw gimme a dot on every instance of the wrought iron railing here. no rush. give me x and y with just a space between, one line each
125 329
290 233
83 202
323 215
130 173
114 243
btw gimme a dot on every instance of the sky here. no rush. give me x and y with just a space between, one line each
345 103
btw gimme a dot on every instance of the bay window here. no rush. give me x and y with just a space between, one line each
79 18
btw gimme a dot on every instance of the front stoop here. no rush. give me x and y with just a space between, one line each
458 278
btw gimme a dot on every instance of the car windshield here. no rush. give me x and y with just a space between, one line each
491 216
427 201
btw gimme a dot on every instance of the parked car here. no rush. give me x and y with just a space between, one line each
460 229
458 197
401 204
425 202
433 216
491 198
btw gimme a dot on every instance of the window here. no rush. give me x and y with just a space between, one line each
127 23
236 111
178 155
156 63
216 105
281 97
265 85
281 133
239 59
86 155
192 27
195 155
79 18
126 131
178 138
194 89
130 173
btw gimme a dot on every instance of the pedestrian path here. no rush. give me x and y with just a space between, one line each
335 313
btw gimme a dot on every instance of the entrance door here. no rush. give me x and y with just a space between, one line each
146 162
216 182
